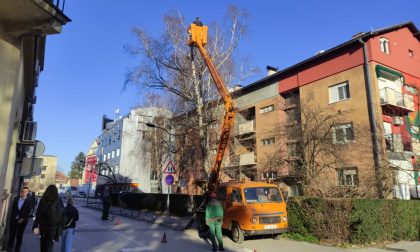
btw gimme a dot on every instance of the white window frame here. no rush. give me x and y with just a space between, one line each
268 141
112 154
352 174
384 45
343 127
118 152
334 92
267 109
109 155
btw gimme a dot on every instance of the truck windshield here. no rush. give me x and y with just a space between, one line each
262 194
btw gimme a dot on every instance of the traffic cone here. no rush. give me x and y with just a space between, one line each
164 238
117 222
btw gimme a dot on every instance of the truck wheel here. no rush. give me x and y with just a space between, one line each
237 234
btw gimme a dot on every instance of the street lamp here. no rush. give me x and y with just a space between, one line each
151 125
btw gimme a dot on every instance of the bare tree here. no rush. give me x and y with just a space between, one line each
314 151
167 65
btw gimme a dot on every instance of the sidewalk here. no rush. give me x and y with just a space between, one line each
174 222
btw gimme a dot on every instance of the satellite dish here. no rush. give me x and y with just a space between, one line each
40 149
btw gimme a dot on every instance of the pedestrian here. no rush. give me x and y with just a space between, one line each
214 219
21 209
106 203
48 220
69 224
33 201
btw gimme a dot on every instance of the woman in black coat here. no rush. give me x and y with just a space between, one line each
48 218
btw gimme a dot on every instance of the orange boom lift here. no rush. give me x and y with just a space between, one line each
198 38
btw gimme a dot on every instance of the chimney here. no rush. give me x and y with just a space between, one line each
271 70
357 35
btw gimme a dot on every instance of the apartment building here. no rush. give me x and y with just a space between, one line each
130 151
370 84
39 183
24 25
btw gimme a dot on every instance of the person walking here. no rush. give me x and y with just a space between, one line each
214 219
21 209
48 220
106 203
71 216
33 201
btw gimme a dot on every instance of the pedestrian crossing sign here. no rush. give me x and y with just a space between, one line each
170 168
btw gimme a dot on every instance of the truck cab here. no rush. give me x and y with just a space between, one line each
253 208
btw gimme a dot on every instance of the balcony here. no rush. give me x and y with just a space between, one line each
247 159
396 103
246 128
398 143
20 17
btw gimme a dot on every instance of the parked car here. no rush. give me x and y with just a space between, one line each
82 194
72 191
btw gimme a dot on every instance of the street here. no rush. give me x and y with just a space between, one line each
93 234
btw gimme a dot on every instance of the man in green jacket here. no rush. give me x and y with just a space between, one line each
214 219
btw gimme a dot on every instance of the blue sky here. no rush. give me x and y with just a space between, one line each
85 65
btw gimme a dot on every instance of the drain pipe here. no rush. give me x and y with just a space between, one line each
372 122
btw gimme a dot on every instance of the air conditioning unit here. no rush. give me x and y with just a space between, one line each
397 121
29 131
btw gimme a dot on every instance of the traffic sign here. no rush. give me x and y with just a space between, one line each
170 168
169 180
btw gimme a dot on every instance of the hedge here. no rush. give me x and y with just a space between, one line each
179 203
357 221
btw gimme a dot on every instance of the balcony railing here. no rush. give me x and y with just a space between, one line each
247 158
398 143
247 127
393 98
59 4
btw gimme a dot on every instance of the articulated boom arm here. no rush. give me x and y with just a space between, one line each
198 38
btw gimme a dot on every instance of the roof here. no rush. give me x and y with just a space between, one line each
59 176
74 182
363 36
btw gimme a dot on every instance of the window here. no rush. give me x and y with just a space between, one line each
113 154
118 152
222 194
109 155
268 141
266 109
347 177
214 126
339 92
236 196
411 89
117 169
104 159
384 43
269 175
42 175
343 133
410 53
292 149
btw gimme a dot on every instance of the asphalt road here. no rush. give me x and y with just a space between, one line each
93 234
